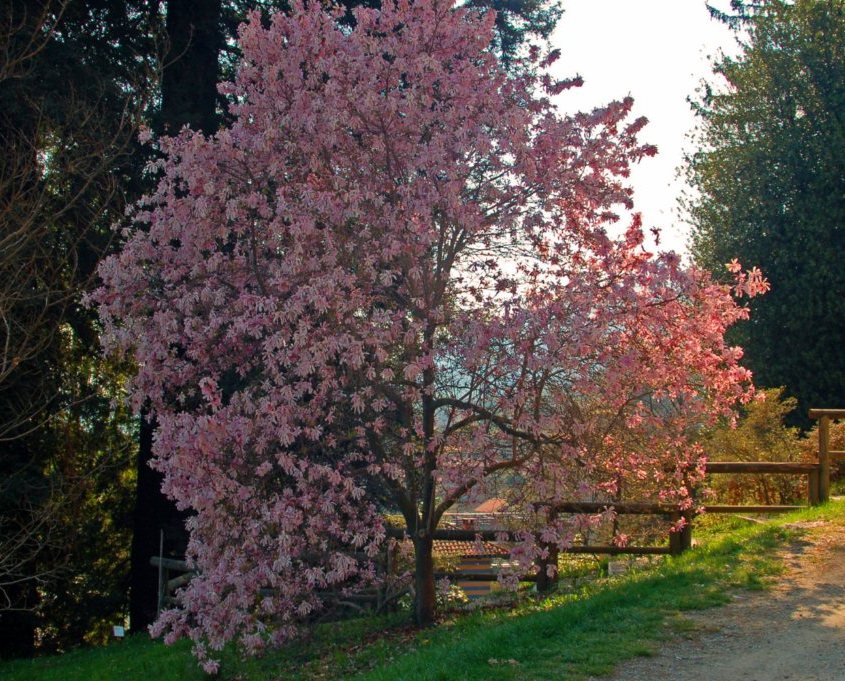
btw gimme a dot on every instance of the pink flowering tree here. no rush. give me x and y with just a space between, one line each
393 283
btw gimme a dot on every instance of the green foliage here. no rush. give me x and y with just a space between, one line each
759 435
769 189
518 22
91 451
75 79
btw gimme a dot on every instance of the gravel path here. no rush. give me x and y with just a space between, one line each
793 632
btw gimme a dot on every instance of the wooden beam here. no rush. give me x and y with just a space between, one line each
477 577
750 509
619 507
170 564
831 413
760 467
619 550
181 580
461 535
824 459
813 488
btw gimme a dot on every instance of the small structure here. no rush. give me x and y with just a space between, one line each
472 558
491 506
477 558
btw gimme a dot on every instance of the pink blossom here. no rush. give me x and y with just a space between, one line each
396 276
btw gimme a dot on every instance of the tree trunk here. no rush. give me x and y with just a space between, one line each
154 513
425 604
545 582
188 97
189 80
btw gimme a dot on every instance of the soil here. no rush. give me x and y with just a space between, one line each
793 631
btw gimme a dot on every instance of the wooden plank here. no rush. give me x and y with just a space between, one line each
181 580
813 488
830 413
751 509
170 564
617 550
675 544
461 535
621 507
837 454
760 467
456 577
493 535
824 460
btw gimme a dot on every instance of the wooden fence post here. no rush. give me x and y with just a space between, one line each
162 576
813 487
686 533
824 459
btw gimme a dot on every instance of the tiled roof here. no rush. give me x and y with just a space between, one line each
491 506
446 548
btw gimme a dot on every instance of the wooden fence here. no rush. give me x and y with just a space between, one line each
818 491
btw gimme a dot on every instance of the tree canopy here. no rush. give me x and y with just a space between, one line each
76 78
399 265
769 179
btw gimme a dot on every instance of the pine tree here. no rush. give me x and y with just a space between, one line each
769 181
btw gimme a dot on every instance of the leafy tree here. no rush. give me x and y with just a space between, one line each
768 180
200 35
394 267
74 82
201 39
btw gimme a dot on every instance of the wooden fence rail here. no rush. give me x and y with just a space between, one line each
818 491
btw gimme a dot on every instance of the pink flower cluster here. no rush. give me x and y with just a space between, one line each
392 283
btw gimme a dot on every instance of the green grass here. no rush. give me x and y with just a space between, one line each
568 636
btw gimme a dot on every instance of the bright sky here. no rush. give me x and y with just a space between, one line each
657 51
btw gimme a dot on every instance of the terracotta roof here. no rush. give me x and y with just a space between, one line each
446 548
491 506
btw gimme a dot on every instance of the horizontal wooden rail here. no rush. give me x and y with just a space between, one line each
611 550
181 580
501 535
460 535
478 577
620 507
760 467
830 413
750 509
170 564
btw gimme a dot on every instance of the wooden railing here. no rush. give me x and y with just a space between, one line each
824 417
818 491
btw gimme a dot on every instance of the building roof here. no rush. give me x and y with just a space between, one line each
447 548
491 506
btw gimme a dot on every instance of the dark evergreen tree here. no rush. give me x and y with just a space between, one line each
74 81
196 34
769 181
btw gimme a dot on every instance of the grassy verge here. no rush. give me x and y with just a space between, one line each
572 636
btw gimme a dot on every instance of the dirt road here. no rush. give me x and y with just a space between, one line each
793 632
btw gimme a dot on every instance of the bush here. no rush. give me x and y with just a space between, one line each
760 435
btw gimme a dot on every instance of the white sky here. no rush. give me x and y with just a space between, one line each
657 51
